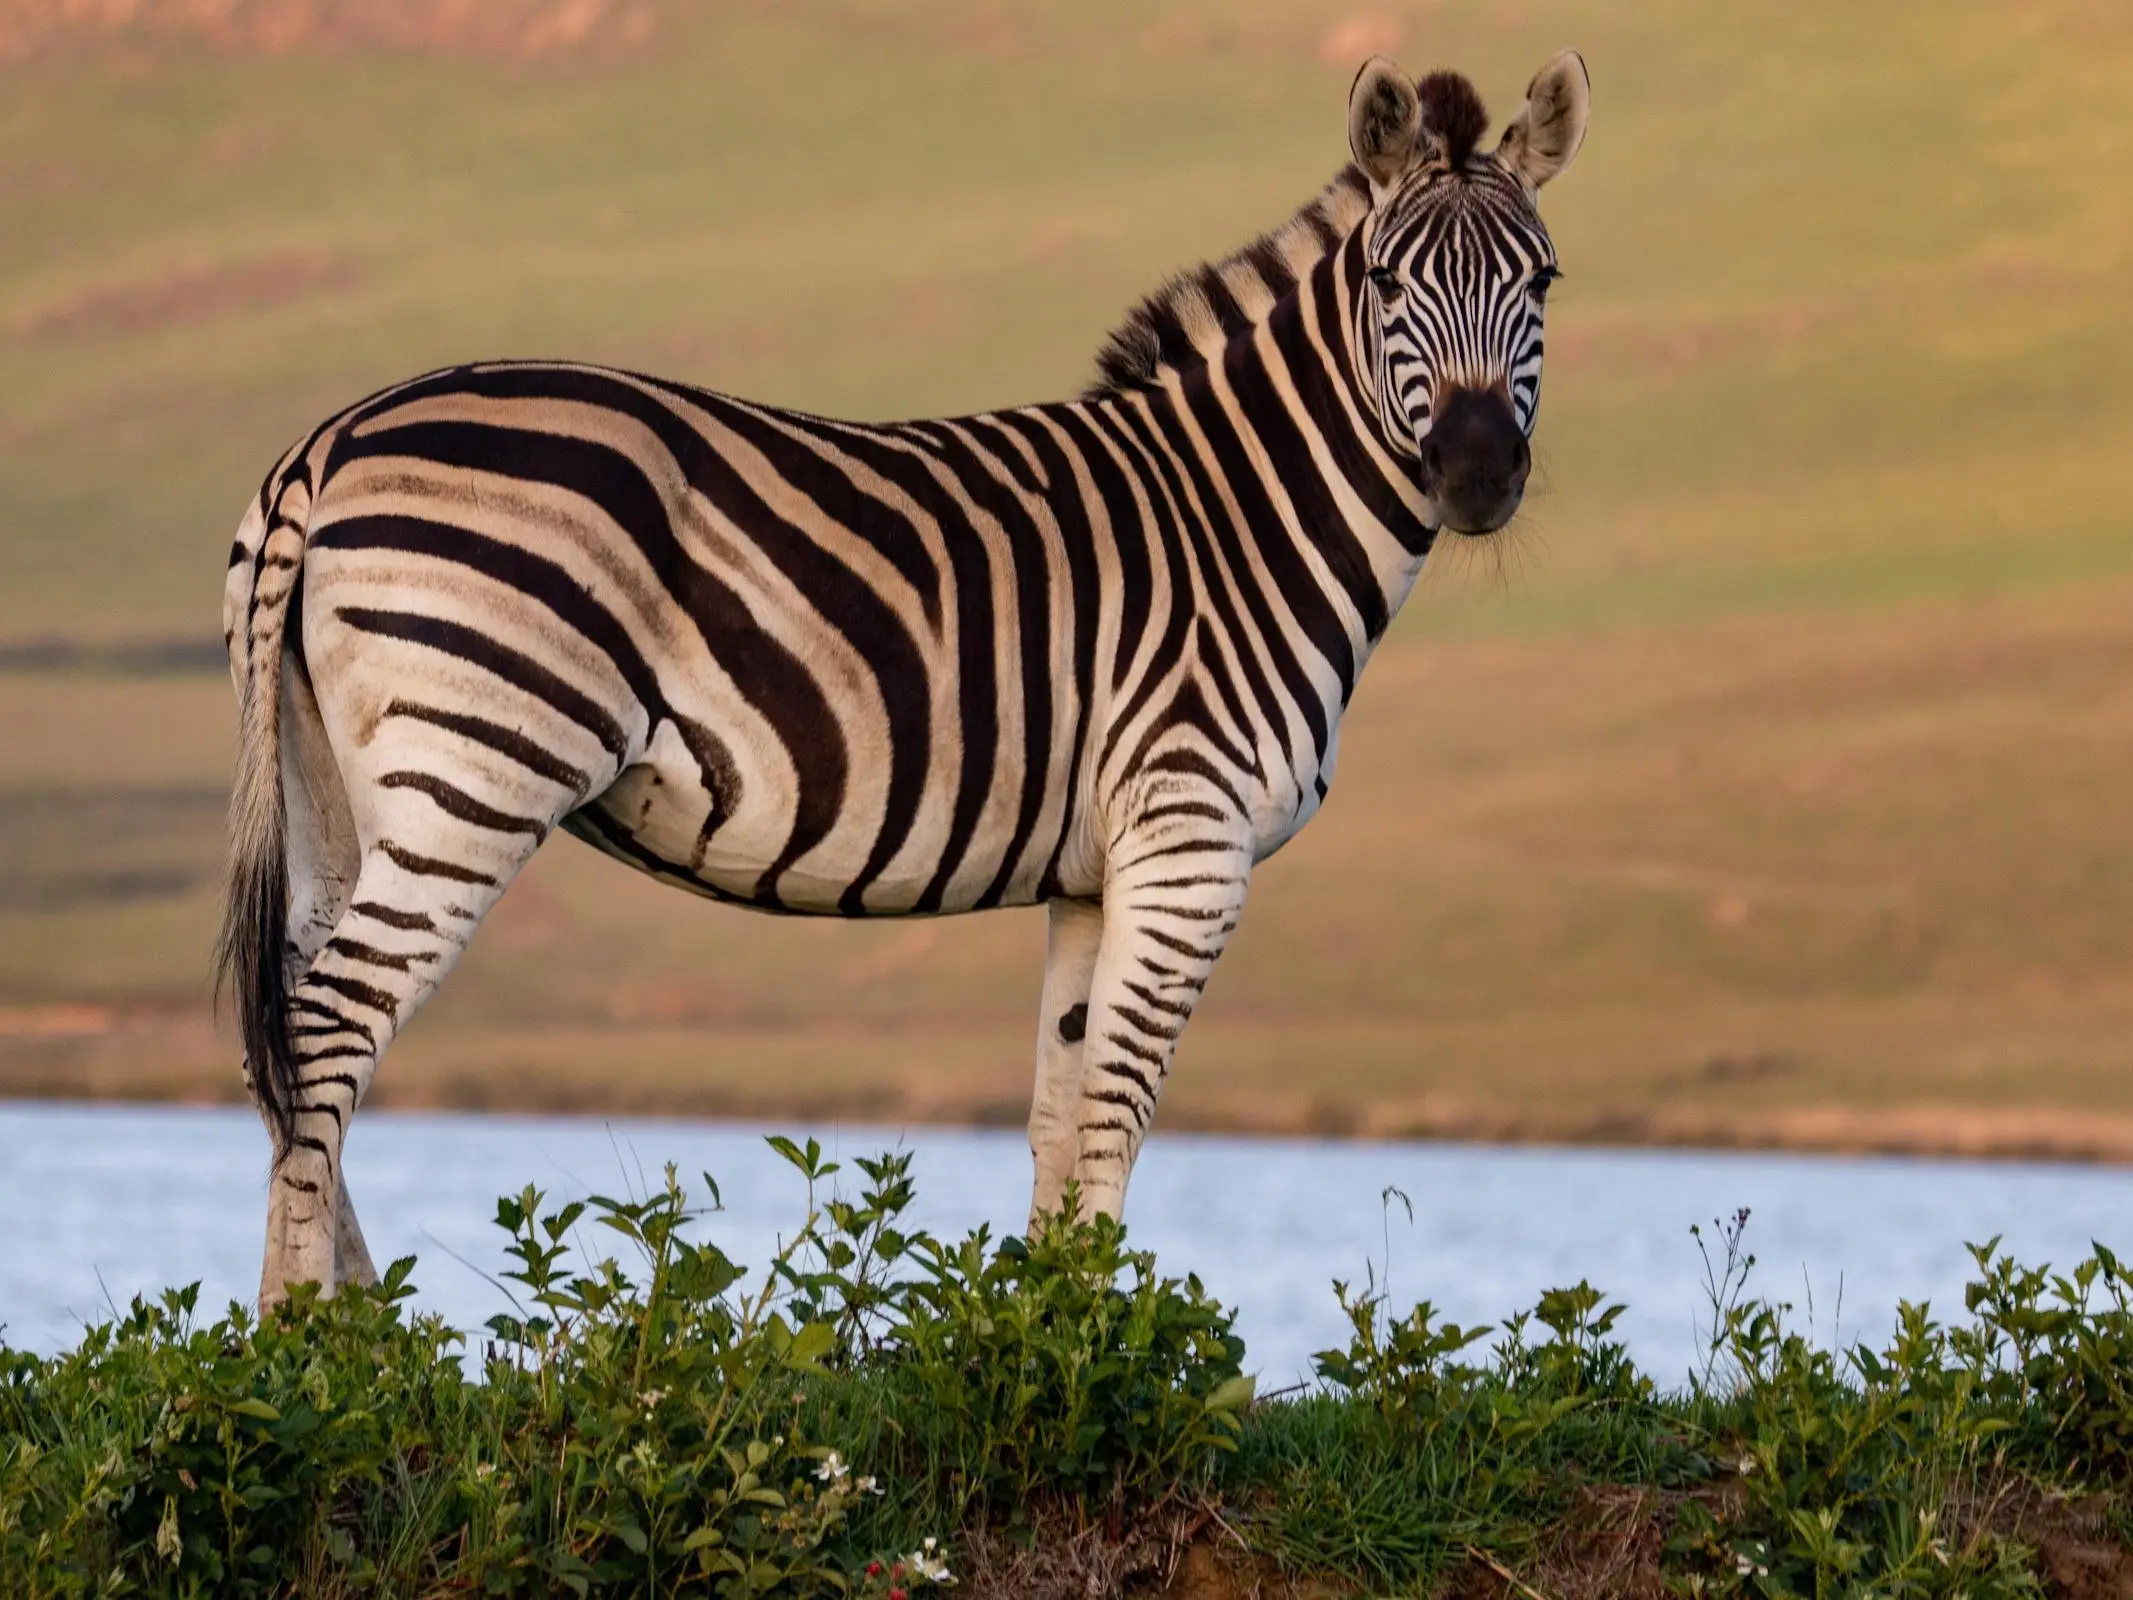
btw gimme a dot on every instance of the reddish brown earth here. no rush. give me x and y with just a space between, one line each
185 295
1610 1546
1612 1543
507 28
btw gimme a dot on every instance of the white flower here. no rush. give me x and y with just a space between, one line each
1748 1567
832 1469
870 1485
1746 1466
486 1469
926 1564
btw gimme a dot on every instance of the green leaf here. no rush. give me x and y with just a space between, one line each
1233 1394
810 1345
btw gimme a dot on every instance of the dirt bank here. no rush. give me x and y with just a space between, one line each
87 1052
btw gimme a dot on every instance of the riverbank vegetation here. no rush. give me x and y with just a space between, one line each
877 1412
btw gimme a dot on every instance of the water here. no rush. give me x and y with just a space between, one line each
108 1202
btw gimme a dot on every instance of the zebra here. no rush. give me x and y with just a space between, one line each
1091 654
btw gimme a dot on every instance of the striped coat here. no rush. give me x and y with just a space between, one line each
1092 653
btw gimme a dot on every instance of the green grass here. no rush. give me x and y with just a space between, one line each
1841 292
1801 683
876 1410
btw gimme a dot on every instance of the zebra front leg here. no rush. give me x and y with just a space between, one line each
1170 905
1062 1026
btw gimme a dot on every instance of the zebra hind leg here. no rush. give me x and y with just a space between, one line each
322 857
351 1254
409 915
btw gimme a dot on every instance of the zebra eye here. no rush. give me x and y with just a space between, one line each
1542 280
1386 282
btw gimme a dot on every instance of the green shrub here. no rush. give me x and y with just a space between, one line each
643 1431
1856 1481
186 1460
1064 1366
1059 1368
1406 1370
634 1430
837 1421
2054 1356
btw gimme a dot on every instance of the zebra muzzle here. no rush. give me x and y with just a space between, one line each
1475 461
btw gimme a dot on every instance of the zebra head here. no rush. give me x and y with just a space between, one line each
1457 266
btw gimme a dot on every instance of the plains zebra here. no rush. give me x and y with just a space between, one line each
1092 653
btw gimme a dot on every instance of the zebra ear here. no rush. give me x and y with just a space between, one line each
1384 122
1543 138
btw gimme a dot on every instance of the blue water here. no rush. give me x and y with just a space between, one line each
108 1202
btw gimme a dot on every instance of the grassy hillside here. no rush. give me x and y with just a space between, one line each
1768 782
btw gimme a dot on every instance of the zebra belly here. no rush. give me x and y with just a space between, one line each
712 817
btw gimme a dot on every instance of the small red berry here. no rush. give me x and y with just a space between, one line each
897 1594
873 1569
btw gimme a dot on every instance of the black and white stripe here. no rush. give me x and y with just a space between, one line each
1092 654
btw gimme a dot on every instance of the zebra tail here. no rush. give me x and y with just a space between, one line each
250 957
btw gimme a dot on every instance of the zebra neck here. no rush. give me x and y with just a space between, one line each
1347 491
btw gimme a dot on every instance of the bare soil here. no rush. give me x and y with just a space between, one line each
1611 1545
1187 1554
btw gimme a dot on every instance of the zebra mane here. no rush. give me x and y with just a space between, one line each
1453 113
1192 316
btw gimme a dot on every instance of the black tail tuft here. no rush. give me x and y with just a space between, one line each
251 961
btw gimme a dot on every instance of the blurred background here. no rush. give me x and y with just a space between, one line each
1770 783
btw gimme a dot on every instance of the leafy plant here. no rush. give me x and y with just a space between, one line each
1405 1369
636 1429
221 1452
846 1272
1064 1365
1578 1363
2053 1354
1856 1471
841 1419
646 1431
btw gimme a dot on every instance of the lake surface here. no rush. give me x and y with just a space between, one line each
107 1202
